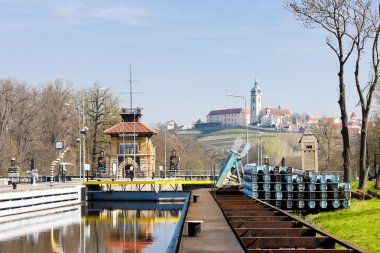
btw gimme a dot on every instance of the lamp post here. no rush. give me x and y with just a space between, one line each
124 147
259 150
245 118
166 129
83 132
80 140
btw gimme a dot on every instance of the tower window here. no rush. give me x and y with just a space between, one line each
128 148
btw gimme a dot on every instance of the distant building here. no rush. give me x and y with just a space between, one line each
354 123
256 95
276 117
229 117
267 117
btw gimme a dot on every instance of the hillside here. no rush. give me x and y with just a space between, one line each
275 145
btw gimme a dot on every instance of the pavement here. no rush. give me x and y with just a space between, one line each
216 235
4 187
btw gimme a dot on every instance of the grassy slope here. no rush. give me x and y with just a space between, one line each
359 225
226 137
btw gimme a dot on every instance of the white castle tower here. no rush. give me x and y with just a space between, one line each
256 95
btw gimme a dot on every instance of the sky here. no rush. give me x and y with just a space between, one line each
185 55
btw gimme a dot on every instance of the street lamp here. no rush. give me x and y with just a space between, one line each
83 132
166 129
245 118
81 113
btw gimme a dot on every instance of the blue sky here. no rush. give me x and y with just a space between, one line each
185 55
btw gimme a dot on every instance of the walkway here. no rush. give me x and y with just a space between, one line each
4 187
216 234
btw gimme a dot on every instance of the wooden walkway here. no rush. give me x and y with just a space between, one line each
216 235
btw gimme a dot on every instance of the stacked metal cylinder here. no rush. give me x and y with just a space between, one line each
289 188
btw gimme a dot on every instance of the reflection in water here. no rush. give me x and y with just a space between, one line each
80 229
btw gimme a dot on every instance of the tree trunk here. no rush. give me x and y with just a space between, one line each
374 194
344 131
363 171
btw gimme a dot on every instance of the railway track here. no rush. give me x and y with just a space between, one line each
263 228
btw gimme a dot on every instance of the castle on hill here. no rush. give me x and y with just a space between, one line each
268 116
256 115
271 117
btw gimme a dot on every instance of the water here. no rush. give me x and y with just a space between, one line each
108 227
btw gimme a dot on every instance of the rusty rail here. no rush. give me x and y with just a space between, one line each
264 228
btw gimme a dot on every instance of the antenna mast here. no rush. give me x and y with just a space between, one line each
130 85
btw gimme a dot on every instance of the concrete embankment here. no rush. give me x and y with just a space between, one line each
28 198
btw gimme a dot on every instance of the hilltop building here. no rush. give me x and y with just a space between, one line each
229 117
132 150
256 95
275 117
256 115
267 117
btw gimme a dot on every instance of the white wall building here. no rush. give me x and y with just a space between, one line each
276 117
230 117
268 117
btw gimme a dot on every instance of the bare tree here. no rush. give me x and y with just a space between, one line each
55 120
17 120
327 134
101 105
373 145
333 17
350 24
366 30
31 119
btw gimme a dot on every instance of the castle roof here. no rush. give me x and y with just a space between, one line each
278 111
256 88
226 111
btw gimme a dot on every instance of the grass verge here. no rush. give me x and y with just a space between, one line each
359 225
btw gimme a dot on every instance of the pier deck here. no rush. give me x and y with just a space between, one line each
216 234
5 188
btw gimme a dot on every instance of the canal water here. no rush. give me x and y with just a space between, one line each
108 227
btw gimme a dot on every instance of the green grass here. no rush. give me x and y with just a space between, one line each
359 224
188 132
370 186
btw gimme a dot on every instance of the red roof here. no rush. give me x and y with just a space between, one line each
130 127
353 116
278 112
226 111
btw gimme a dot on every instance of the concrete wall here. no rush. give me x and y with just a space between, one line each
29 201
